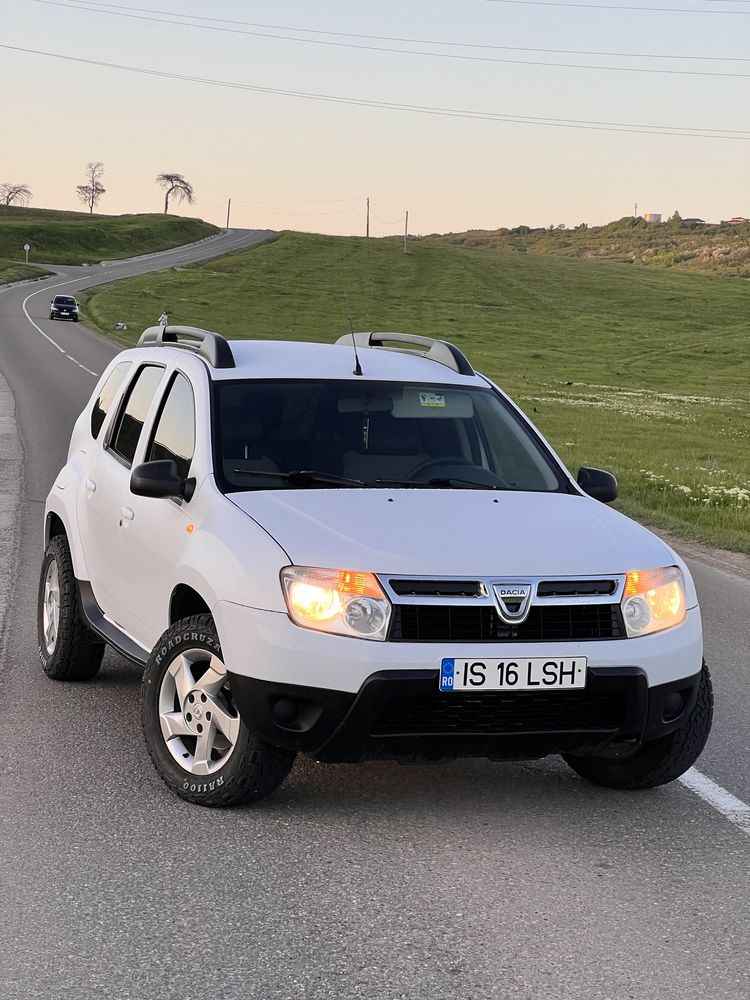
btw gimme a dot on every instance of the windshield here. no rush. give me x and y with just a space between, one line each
65 300
327 434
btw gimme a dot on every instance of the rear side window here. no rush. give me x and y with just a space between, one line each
174 437
109 390
132 417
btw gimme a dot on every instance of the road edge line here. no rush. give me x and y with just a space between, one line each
730 807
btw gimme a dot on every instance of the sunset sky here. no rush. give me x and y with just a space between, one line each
291 162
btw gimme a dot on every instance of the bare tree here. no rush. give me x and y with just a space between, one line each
90 192
175 184
15 194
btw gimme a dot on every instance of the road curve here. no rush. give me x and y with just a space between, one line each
466 881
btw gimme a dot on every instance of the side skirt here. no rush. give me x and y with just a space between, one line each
108 631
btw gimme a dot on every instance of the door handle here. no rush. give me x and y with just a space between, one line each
127 513
90 485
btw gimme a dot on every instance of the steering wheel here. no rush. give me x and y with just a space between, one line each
444 463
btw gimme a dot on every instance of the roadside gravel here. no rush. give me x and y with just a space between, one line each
11 479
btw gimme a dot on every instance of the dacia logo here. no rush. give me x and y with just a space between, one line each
512 601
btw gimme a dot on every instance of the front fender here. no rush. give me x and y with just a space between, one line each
61 503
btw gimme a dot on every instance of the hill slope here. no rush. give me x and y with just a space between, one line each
77 237
638 370
721 249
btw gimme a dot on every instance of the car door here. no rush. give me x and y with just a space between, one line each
151 541
103 492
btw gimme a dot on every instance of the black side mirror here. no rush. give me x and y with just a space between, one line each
160 479
598 484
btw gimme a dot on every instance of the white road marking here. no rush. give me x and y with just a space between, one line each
46 336
732 808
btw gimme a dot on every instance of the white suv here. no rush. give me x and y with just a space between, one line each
361 550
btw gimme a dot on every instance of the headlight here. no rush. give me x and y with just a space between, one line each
336 600
653 600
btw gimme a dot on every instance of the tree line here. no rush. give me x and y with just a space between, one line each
175 187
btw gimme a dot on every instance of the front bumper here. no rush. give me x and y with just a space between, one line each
342 699
402 715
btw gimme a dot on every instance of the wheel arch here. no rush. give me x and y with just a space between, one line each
186 601
53 525
58 520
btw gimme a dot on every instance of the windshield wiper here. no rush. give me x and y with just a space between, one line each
303 477
463 484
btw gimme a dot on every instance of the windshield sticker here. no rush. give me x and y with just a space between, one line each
431 399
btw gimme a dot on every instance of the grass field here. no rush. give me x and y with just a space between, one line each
77 237
638 370
10 270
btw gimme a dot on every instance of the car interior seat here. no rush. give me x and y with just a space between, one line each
389 448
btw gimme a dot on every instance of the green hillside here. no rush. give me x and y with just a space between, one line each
639 370
10 270
685 245
77 237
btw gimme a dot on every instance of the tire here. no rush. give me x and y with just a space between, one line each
51 315
75 319
68 649
660 761
216 761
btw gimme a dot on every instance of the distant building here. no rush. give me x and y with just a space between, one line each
696 222
652 216
737 220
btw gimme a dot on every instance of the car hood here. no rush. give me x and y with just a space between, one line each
453 532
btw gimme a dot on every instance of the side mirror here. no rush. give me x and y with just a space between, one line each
598 484
160 479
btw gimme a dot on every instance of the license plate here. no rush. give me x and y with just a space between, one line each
536 673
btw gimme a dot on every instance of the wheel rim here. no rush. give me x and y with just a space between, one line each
51 608
199 722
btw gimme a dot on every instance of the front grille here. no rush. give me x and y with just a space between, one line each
481 623
501 712
436 588
576 588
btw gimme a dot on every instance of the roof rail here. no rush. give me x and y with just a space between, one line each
437 350
211 346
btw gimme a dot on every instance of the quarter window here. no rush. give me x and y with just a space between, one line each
132 417
174 437
106 396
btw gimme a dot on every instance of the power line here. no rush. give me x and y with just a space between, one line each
409 52
613 6
274 211
517 119
92 5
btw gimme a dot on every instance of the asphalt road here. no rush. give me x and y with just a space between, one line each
468 881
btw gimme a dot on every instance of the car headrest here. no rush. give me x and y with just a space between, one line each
388 436
267 407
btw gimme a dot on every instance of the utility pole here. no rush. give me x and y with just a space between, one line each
367 229
229 206
406 230
635 211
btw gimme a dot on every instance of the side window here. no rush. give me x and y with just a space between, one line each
108 393
174 436
130 422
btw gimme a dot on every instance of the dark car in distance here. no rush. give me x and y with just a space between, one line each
63 307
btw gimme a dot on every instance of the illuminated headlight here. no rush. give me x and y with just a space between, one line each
339 601
653 600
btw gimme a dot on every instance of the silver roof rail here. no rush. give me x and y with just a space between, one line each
437 350
211 346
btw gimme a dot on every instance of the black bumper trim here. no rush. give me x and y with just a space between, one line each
338 726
